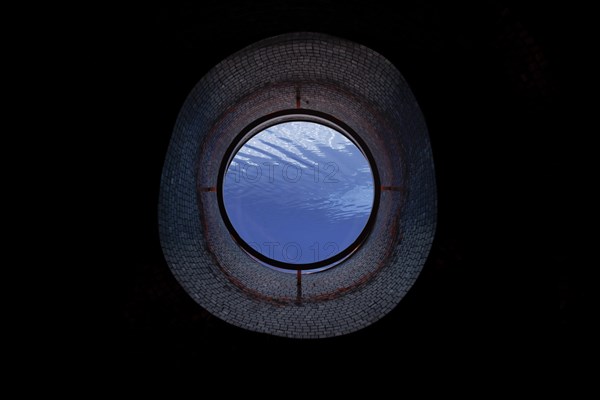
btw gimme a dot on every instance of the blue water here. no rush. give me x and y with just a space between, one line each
299 192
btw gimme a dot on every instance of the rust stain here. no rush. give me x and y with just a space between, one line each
253 293
392 188
298 97
299 287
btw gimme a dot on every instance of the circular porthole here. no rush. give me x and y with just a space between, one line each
298 191
301 153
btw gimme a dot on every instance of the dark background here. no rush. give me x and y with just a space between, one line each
497 82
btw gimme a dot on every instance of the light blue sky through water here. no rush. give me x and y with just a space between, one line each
299 192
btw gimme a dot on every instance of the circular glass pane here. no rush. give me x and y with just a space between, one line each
298 192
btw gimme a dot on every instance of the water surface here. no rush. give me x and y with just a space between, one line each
299 192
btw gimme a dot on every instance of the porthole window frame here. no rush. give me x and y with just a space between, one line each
294 115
